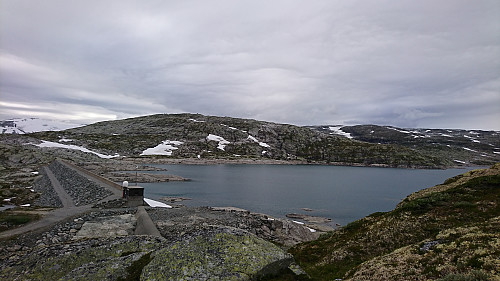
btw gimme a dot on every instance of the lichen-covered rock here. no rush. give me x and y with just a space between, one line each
212 253
184 221
220 253
94 259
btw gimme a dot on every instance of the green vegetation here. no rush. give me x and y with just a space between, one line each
9 219
230 256
460 226
103 260
473 276
135 269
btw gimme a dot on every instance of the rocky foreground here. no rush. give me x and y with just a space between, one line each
108 241
195 244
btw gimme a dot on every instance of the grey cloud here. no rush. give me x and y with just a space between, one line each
404 63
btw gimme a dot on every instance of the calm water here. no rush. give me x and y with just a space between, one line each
343 194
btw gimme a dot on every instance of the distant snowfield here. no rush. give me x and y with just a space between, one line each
164 148
74 147
31 125
222 142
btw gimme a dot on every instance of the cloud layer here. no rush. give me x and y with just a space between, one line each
403 63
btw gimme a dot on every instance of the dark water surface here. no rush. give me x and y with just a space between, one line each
343 194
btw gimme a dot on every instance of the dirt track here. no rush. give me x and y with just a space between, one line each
68 210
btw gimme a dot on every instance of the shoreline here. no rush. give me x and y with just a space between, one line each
249 161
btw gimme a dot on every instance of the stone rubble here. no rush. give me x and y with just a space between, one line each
184 222
82 190
48 197
199 238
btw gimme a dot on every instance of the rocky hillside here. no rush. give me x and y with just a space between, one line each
447 232
209 137
461 147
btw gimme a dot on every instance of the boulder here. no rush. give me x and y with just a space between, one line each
219 253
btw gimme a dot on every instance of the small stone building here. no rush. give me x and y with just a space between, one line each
133 194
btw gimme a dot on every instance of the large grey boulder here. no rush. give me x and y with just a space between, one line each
212 253
219 253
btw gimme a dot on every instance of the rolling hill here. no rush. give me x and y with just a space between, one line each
209 137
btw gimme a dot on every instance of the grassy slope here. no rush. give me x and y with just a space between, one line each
461 217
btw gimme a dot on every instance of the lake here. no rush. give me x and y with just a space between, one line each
343 194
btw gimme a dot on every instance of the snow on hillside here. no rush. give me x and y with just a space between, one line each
164 148
263 144
74 147
31 125
338 131
222 142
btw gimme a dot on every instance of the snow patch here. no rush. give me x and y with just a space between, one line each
468 149
194 120
298 222
222 142
461 162
232 128
65 140
310 229
398 130
263 144
338 131
73 147
471 138
164 148
153 203
445 135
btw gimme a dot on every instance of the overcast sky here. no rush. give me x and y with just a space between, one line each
432 64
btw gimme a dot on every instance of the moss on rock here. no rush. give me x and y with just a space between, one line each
96 259
218 254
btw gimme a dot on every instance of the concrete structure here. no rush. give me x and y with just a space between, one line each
134 195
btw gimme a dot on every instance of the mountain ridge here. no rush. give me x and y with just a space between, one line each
187 135
199 136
